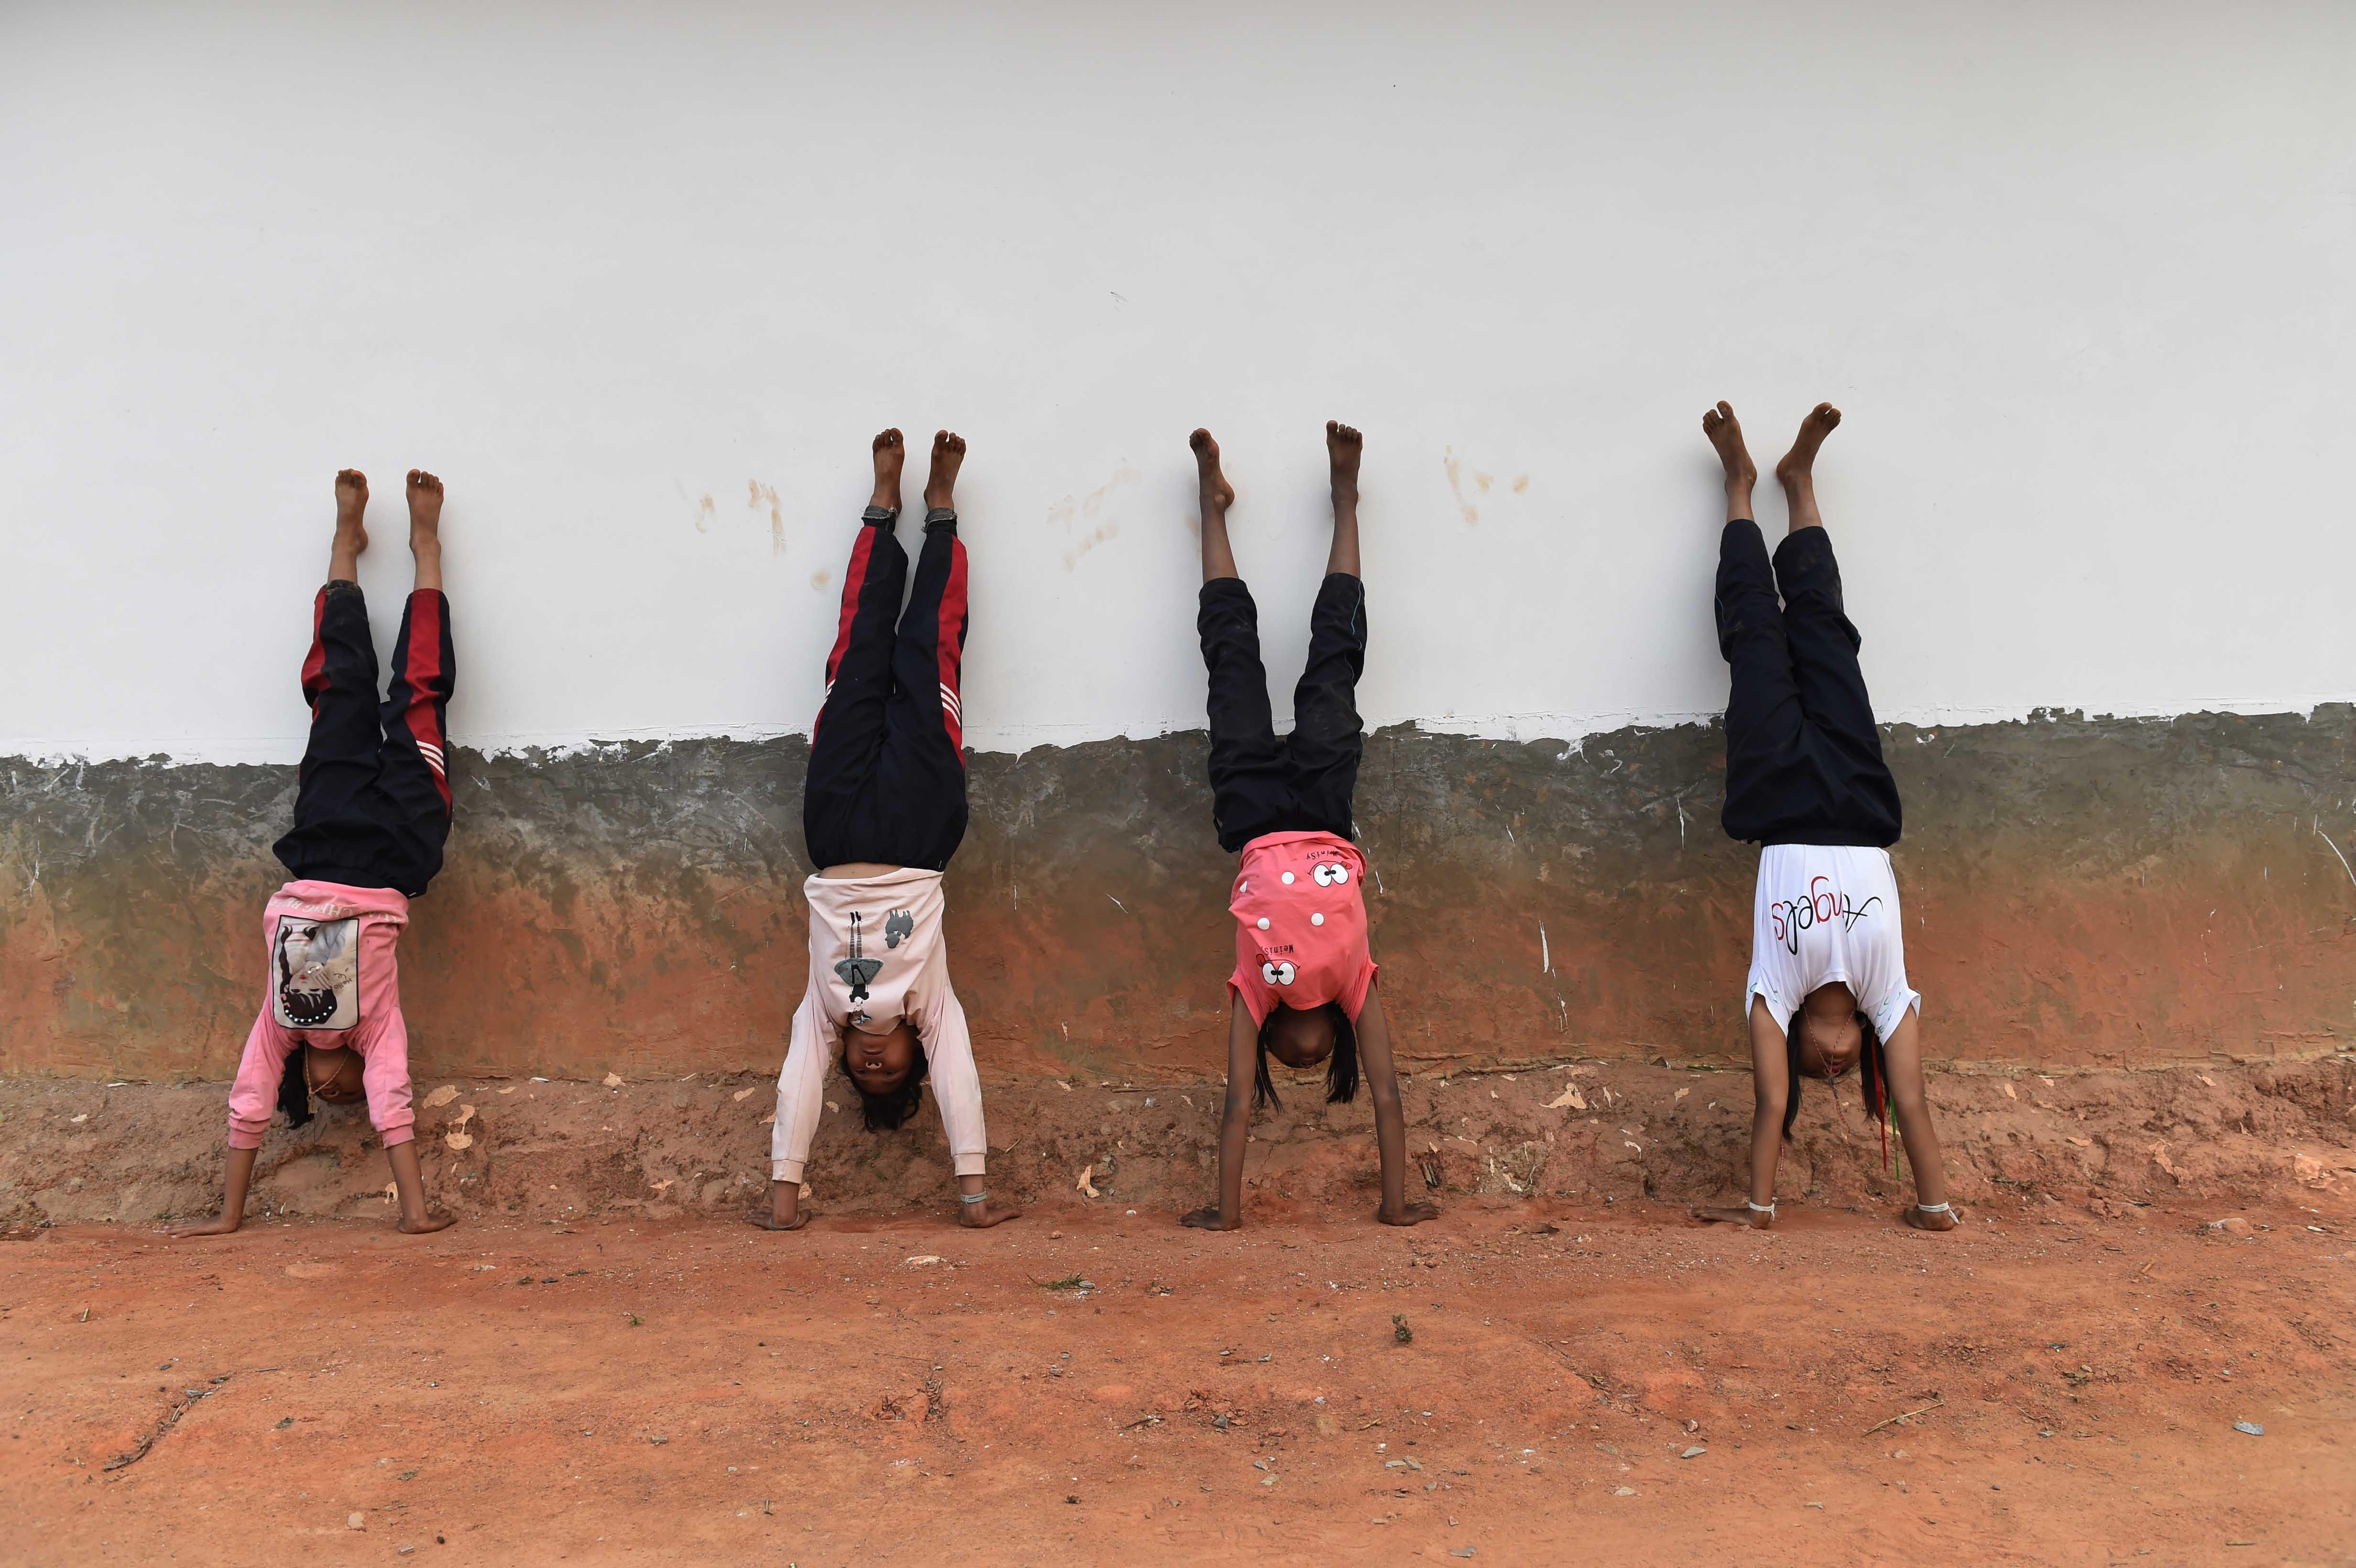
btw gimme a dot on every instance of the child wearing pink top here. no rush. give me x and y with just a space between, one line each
1303 987
884 808
371 813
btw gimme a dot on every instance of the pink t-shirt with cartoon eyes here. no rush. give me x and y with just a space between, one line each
1301 925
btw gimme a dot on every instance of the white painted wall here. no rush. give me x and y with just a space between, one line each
2079 276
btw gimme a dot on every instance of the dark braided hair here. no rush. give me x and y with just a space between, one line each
1873 1062
1341 1068
295 1087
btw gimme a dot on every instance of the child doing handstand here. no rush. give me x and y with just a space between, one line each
1303 987
1805 780
883 808
371 813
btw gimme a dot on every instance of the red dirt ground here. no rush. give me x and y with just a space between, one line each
872 1388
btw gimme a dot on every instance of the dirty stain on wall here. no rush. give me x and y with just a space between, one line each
2076 891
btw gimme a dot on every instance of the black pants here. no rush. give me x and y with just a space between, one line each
372 803
1803 758
887 765
1303 783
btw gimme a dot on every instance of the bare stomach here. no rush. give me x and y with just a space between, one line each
851 871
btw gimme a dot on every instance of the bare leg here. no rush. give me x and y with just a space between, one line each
351 530
1218 558
1726 434
1342 447
1798 470
425 536
949 455
891 451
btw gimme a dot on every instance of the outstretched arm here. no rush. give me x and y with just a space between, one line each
1235 1124
255 1094
232 1214
956 1090
1903 1051
802 1083
1390 1121
1770 1091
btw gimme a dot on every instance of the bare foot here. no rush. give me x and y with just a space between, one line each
424 508
1724 433
982 1216
1342 446
425 529
1799 463
352 507
351 531
1207 1218
948 454
891 451
1746 1215
425 1227
1943 1221
1217 494
1413 1214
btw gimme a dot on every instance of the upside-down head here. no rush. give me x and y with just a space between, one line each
888 1071
1827 1038
1301 1038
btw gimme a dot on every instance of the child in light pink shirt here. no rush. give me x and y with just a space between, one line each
884 808
1303 988
371 815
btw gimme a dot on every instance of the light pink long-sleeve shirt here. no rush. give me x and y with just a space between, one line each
343 975
877 956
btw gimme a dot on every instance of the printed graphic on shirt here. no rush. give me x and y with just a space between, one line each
898 927
1787 918
858 971
315 972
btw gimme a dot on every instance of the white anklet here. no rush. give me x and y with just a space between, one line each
1934 1207
1766 1208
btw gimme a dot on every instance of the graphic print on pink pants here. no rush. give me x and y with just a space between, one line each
1301 925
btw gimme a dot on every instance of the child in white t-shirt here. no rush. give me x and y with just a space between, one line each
1805 779
884 808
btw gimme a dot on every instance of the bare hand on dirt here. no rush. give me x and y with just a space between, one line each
982 1216
219 1225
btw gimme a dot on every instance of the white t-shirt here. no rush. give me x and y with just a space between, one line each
1827 912
876 957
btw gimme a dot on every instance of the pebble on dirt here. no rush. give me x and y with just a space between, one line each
2251 1427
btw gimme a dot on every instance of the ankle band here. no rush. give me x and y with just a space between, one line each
1934 1207
1760 1208
973 1196
939 517
886 515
